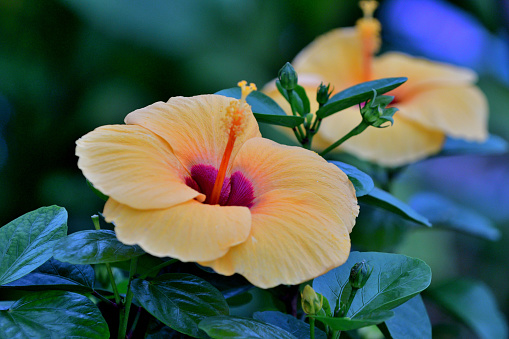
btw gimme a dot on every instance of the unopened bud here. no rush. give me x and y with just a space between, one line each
375 112
288 77
323 94
359 274
311 302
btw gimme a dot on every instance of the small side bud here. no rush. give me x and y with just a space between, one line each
288 77
359 274
376 113
323 94
311 302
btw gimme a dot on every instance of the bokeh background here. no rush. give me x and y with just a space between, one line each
69 66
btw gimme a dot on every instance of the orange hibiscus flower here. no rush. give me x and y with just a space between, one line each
438 100
192 179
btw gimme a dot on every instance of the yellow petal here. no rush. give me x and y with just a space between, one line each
193 127
270 166
295 236
458 111
404 142
133 166
191 231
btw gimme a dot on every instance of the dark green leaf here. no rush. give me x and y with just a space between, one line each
395 279
358 94
443 212
237 327
493 145
53 314
264 108
57 275
474 304
380 198
410 321
298 328
97 192
94 247
362 182
27 242
146 262
180 301
347 324
301 92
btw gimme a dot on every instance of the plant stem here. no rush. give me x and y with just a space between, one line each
356 130
158 268
124 317
101 297
312 328
135 322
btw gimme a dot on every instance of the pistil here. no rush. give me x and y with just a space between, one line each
369 30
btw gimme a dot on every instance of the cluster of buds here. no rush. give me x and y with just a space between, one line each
376 113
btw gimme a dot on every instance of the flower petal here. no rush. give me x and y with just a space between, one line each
404 142
295 236
193 127
133 166
458 111
191 231
294 168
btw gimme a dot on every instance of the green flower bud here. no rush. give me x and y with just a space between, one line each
311 302
359 274
375 112
323 94
288 77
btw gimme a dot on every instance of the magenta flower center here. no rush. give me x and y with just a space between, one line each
237 189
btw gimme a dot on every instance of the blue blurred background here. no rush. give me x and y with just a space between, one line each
69 66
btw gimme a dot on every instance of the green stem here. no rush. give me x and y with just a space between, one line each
312 328
158 268
101 297
124 318
135 322
356 130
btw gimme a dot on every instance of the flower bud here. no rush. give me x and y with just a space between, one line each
288 77
359 274
323 94
311 301
375 112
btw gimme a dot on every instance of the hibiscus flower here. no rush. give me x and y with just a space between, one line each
193 179
438 100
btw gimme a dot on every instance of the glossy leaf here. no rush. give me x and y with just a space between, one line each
298 328
442 212
410 321
347 324
264 108
27 242
493 145
395 279
301 92
237 327
362 182
385 200
53 314
57 275
94 247
357 94
473 303
180 301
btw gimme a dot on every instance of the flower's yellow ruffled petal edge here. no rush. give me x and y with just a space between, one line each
191 231
295 236
294 168
194 127
133 166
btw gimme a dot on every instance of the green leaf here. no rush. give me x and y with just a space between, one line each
97 192
493 145
347 324
298 328
27 242
362 182
385 200
94 247
56 275
395 279
410 321
357 94
53 314
301 92
264 108
180 301
237 327
473 303
445 213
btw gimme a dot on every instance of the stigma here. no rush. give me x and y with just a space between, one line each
368 29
